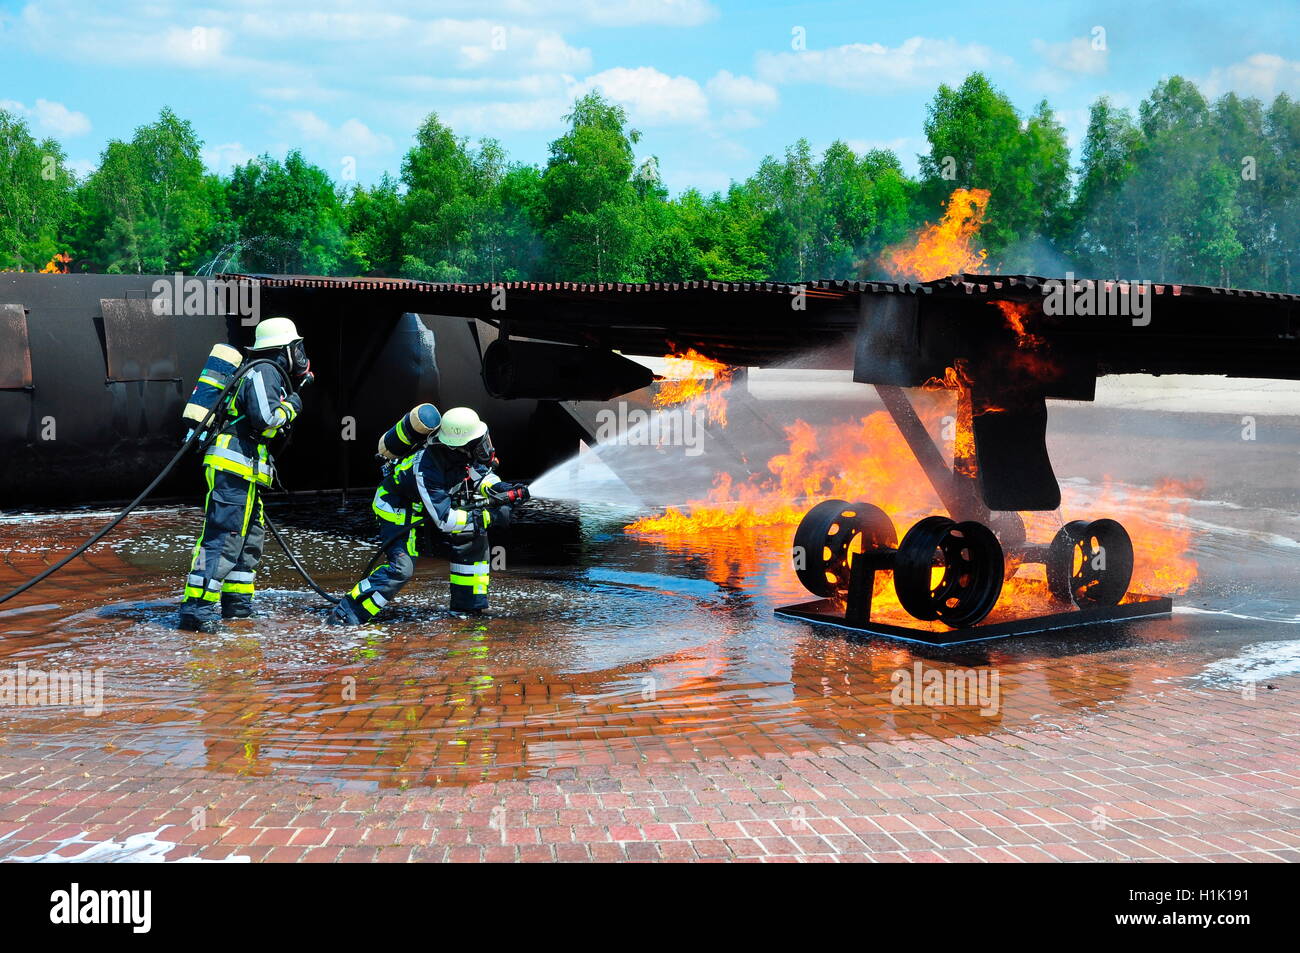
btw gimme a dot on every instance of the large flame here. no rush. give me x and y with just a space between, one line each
749 524
946 248
696 380
867 459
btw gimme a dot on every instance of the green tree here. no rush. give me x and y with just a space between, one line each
793 226
519 224
288 217
439 205
149 207
36 197
1279 177
1104 224
590 209
978 140
375 220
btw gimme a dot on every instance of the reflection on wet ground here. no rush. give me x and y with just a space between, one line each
600 648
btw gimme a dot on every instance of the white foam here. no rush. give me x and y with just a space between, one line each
136 849
74 514
1258 662
1193 610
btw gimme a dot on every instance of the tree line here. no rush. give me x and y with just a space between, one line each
1186 190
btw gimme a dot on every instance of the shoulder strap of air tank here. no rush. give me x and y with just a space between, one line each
280 372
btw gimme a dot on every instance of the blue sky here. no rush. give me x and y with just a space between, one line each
713 85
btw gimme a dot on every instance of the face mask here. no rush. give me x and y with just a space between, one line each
482 452
299 364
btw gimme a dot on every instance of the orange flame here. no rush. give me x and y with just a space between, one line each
946 248
868 460
693 378
58 265
747 525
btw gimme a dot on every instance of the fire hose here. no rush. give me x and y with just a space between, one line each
190 440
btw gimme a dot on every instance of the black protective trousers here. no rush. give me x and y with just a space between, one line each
468 553
223 570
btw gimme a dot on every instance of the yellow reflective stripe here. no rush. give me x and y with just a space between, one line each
479 583
237 468
385 510
242 588
195 592
248 507
210 380
487 483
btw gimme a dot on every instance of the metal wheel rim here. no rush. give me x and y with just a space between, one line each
1072 573
826 536
973 567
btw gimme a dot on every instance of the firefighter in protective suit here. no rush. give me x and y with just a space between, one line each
440 500
262 404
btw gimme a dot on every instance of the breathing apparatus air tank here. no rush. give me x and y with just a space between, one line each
218 371
409 434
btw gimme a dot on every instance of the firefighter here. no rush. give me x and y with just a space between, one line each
440 500
262 404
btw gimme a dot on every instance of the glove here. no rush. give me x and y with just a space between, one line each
294 401
502 515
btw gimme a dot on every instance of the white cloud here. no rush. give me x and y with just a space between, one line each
919 62
740 91
81 168
1262 74
491 45
639 12
1075 55
285 46
897 146
652 98
351 137
223 157
493 118
534 84
49 118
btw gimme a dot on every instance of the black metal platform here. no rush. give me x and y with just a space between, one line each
830 612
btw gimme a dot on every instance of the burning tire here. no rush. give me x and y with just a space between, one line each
972 565
827 536
1090 564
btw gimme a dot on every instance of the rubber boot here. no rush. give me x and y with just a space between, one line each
344 613
236 607
198 616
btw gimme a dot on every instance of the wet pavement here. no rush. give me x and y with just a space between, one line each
607 658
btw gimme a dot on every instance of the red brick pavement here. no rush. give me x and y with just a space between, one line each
1181 775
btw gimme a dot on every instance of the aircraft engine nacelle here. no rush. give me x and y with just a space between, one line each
544 371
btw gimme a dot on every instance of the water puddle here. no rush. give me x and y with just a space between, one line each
600 647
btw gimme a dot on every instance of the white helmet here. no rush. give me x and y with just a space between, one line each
460 425
275 332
